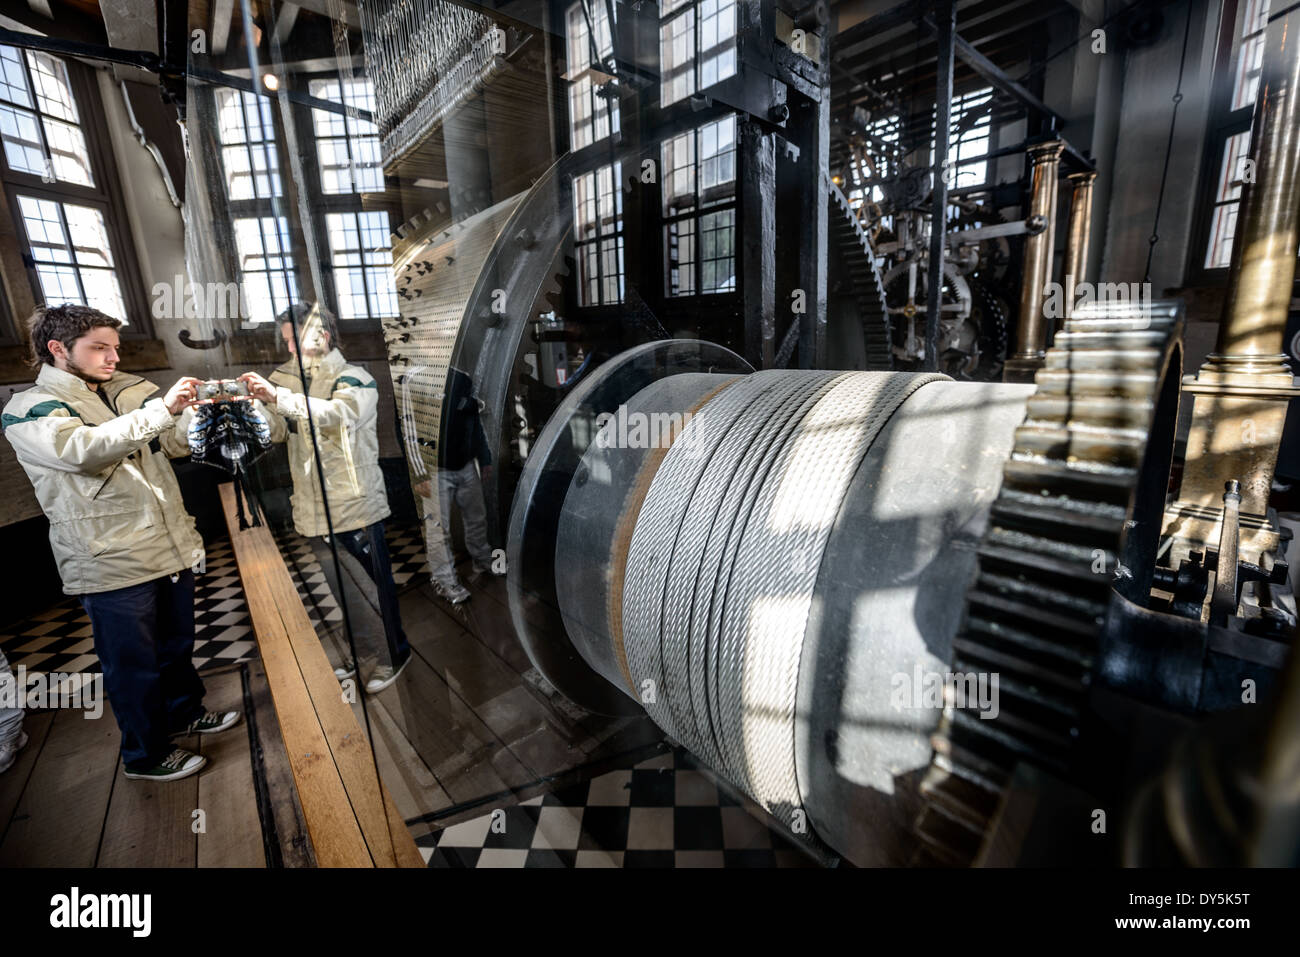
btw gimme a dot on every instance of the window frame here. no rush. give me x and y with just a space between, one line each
700 209
672 12
603 106
105 195
325 204
1222 123
617 234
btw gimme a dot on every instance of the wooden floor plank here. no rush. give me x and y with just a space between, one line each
312 711
150 824
232 834
14 781
335 834
60 815
282 795
346 740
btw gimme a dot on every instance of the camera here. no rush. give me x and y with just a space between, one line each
218 389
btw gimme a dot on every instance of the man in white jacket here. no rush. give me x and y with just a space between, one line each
339 401
95 443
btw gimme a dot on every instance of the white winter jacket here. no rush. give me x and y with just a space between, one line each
344 402
108 489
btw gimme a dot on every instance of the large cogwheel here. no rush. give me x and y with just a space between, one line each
1077 518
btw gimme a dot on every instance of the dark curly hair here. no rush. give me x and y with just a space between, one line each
66 324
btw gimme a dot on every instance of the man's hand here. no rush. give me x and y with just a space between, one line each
258 387
424 489
182 394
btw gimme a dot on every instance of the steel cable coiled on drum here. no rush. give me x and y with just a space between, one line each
724 559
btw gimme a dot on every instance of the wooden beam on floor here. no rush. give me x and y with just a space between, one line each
351 818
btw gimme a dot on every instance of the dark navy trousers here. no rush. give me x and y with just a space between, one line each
369 547
144 637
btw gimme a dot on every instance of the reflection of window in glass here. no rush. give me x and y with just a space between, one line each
72 254
879 160
265 266
699 175
697 46
968 138
1249 58
38 118
248 153
363 264
347 148
593 109
598 234
1233 127
1227 200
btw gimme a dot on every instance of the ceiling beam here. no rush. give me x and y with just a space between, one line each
997 77
284 23
222 12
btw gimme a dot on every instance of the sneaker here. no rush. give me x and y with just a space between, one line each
454 593
385 675
210 723
9 752
488 569
344 672
179 764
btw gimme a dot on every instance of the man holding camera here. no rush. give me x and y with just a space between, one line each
95 443
340 403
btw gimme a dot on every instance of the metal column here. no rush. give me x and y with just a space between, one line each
1076 242
1031 332
758 242
946 23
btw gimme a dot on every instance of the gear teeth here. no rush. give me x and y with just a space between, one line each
1037 607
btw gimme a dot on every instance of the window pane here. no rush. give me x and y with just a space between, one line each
717 259
677 58
718 160
81 274
59 285
679 243
89 236
22 141
243 118
362 259
1250 54
265 266
44 230
679 174
103 292
53 93
347 147
68 156
13 79
1227 196
717 41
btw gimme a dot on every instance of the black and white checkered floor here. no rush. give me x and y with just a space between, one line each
59 639
667 811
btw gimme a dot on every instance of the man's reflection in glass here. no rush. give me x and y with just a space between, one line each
342 401
464 452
